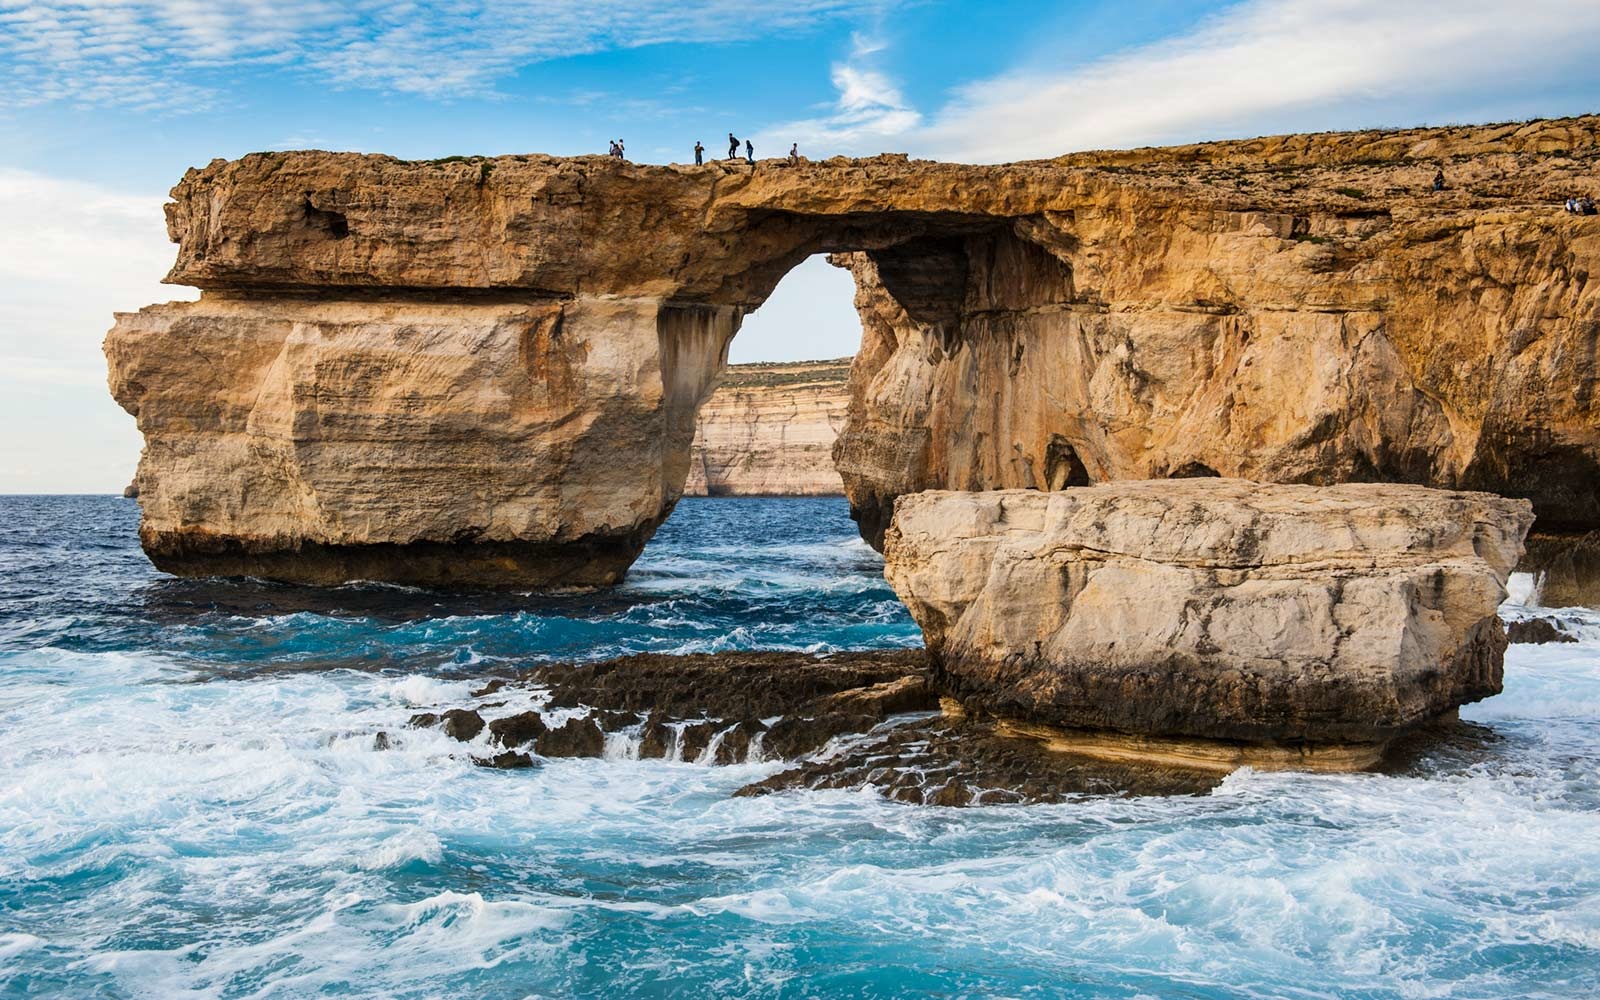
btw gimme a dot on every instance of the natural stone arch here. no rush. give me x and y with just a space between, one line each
485 371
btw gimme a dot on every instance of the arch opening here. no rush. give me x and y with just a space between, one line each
938 301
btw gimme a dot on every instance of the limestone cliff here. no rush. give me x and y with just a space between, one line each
768 430
486 370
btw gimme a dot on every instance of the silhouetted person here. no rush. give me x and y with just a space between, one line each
699 154
611 147
749 153
794 154
1438 180
733 146
621 154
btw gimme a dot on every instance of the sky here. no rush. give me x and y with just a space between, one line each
105 103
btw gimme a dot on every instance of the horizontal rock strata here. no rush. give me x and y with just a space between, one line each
1305 619
769 429
535 443
485 371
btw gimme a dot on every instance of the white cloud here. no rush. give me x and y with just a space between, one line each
141 53
70 254
869 110
1260 65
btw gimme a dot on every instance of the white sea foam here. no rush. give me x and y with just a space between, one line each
403 848
12 945
421 691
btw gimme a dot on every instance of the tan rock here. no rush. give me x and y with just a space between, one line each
1212 608
1297 308
768 430
531 444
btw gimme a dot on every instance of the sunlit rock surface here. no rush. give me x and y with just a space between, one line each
1212 608
485 371
769 429
463 443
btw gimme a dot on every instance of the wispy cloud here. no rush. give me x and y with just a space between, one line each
70 254
138 53
1259 65
869 109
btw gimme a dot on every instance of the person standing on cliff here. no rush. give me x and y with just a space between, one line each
699 154
733 146
1438 180
621 153
749 153
794 154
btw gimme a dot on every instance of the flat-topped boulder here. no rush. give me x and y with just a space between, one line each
1307 618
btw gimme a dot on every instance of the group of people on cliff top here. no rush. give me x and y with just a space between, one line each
700 151
1581 206
618 152
749 151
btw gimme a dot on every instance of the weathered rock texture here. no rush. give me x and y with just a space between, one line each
486 370
503 444
1213 608
1566 569
861 720
768 430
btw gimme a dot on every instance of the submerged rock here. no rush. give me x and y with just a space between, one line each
518 730
573 738
462 724
1299 617
458 723
703 707
959 762
510 760
735 685
1536 630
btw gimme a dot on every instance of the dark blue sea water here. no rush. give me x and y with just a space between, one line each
191 805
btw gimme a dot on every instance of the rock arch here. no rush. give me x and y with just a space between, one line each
485 372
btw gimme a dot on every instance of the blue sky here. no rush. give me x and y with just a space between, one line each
105 103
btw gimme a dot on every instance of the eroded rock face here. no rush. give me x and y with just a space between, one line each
485 371
769 429
535 443
1212 608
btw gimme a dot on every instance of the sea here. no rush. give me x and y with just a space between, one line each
193 804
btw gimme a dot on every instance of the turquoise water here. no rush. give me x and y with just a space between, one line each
191 806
